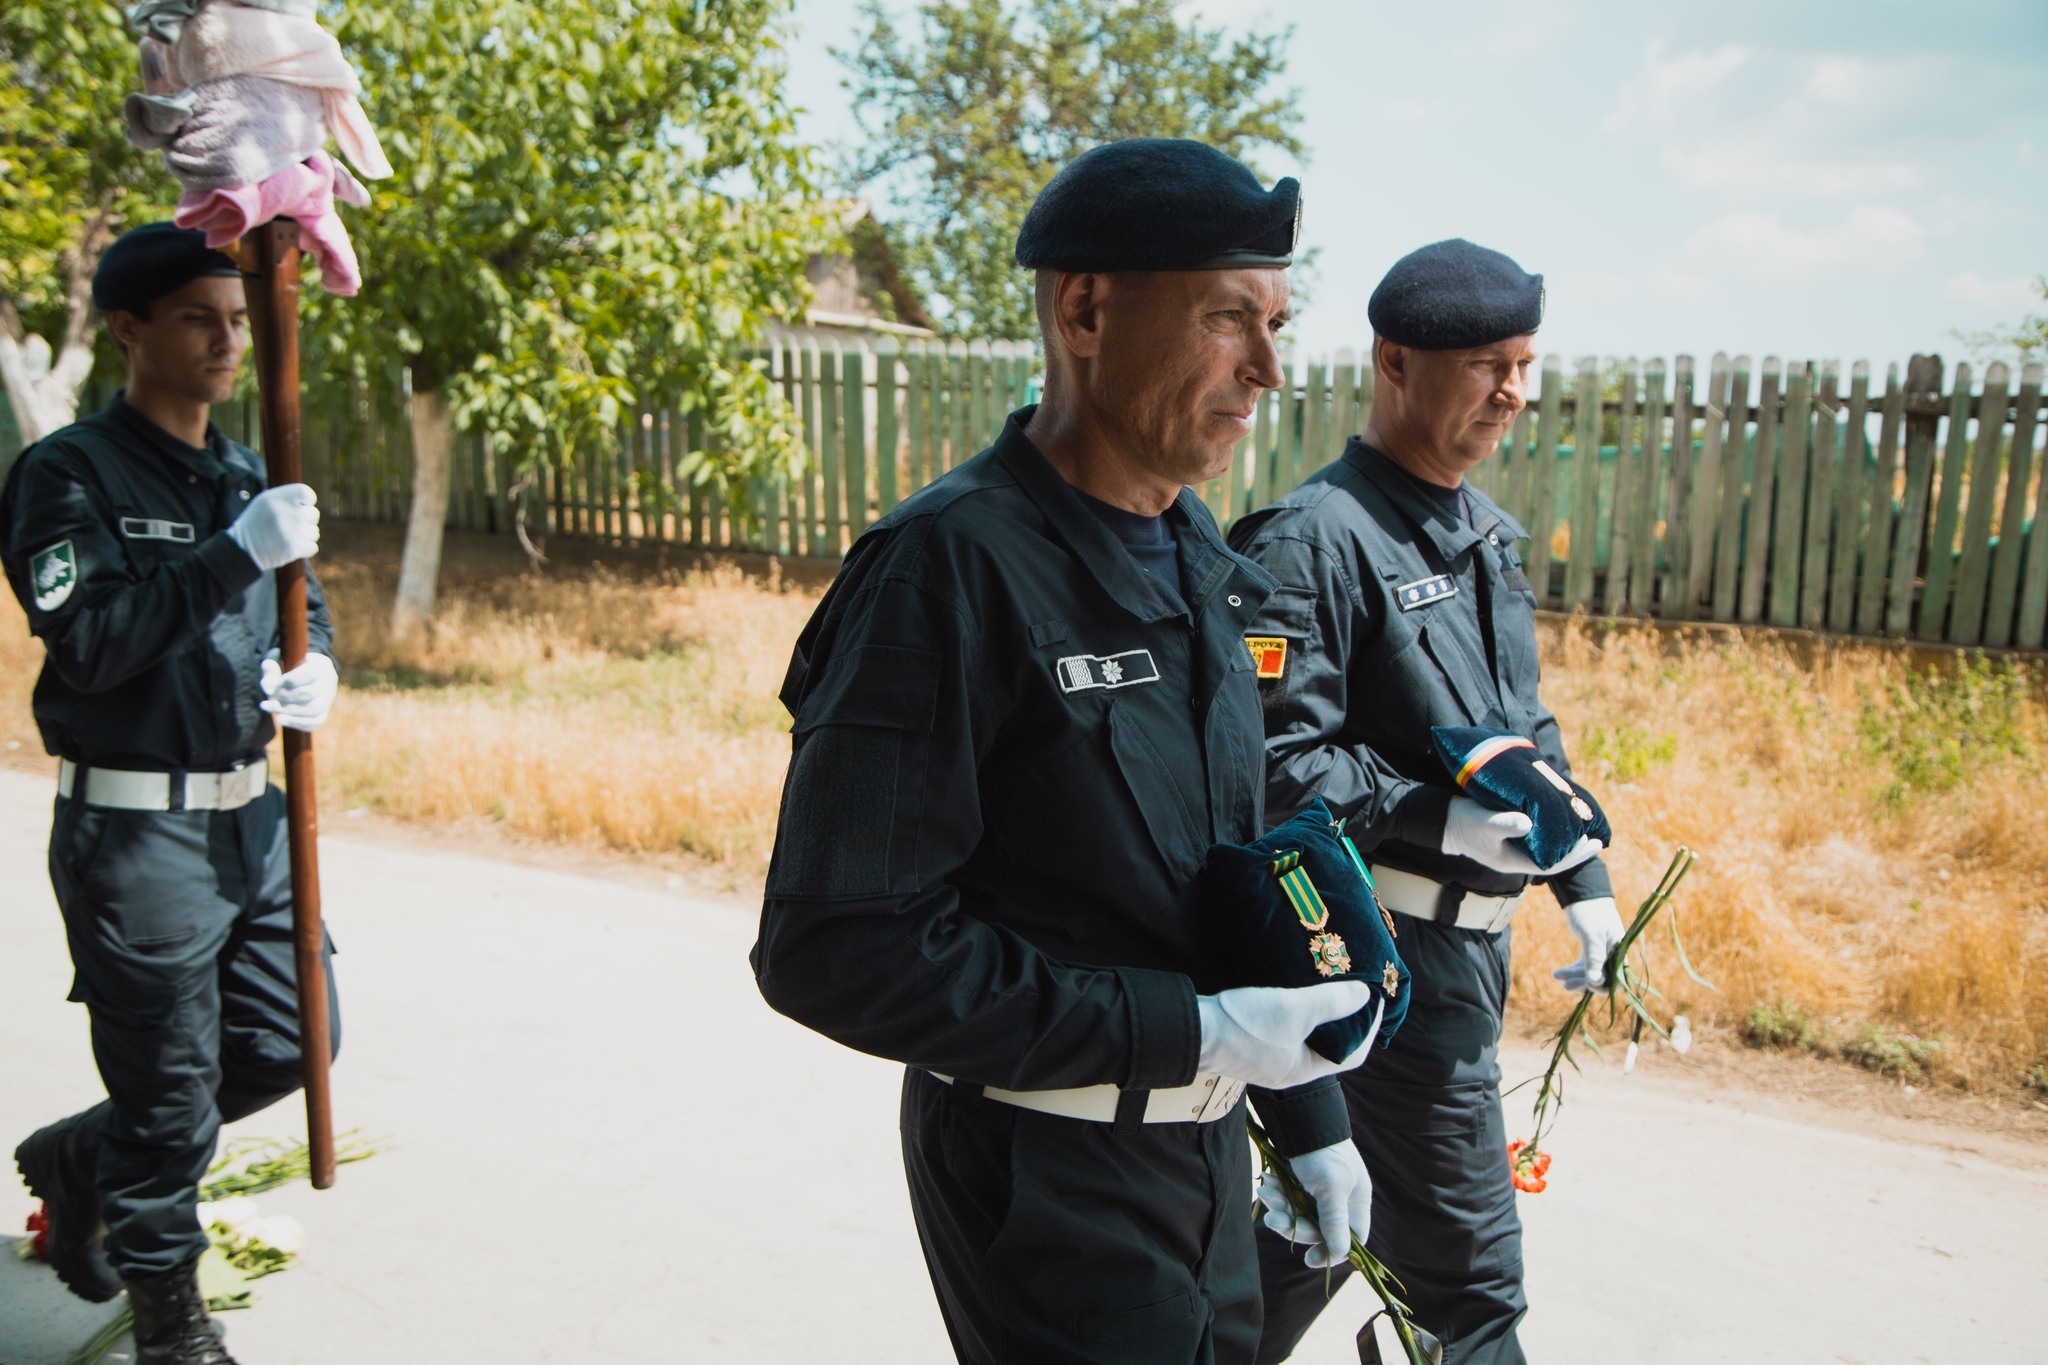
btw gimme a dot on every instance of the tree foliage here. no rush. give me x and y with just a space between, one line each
969 116
2028 338
69 182
595 205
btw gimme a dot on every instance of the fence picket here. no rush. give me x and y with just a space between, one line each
1615 601
1789 523
1973 575
1649 486
2005 574
1941 546
1678 505
1850 485
1877 532
1735 477
1583 508
1820 491
1542 523
1703 532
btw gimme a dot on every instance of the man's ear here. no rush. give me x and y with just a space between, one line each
1077 311
1390 362
121 324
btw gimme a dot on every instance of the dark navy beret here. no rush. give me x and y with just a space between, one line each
1159 203
154 260
1450 295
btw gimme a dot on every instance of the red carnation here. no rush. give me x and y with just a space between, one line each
39 1224
1528 1168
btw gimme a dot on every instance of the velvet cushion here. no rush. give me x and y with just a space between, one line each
1257 902
1506 771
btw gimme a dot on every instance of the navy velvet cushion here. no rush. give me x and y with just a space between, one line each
1506 771
1256 935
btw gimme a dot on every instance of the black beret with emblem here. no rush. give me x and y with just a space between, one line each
1451 295
1158 203
1505 771
154 260
1297 908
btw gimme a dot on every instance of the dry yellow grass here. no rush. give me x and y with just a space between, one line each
1872 847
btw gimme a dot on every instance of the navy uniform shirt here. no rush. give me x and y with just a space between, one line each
154 622
1398 614
1013 748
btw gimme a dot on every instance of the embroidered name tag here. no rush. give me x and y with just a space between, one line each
1079 672
150 528
1425 592
1269 655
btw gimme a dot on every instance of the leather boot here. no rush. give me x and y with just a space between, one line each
171 1323
60 1164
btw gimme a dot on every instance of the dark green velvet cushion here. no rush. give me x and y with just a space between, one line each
1256 935
1506 771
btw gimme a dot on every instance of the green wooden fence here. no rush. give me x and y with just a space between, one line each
1794 494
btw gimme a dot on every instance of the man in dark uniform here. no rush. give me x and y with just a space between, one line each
142 544
1023 713
1400 605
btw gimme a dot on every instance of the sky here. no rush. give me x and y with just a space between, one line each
1801 178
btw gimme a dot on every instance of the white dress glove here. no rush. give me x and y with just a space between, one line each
301 698
1335 1178
1486 837
278 526
1257 1034
1597 922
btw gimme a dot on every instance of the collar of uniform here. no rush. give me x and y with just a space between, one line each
206 460
1136 591
1451 537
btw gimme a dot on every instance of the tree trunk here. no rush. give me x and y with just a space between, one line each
419 568
43 396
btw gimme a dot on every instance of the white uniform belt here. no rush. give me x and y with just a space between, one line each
1209 1098
119 790
1405 893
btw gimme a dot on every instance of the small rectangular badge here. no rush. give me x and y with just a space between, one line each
1425 592
1079 672
1269 655
152 528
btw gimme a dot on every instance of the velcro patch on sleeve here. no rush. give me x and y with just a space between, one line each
1269 655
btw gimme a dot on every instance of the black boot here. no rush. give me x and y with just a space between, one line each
59 1163
171 1323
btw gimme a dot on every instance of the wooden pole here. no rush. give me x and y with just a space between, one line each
270 274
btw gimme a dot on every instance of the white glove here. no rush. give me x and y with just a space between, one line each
278 526
1597 922
1335 1178
1486 837
301 698
1256 1033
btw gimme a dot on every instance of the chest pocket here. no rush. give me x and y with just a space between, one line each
1453 660
1172 825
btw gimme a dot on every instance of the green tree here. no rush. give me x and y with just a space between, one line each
69 183
2028 337
967 120
595 204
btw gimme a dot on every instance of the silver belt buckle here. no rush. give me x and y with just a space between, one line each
1504 912
1222 1097
240 786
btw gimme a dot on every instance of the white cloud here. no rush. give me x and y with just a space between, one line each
1756 243
2013 292
1667 86
1766 166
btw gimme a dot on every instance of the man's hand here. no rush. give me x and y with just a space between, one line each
1597 922
1487 837
301 698
1335 1178
278 526
1257 1034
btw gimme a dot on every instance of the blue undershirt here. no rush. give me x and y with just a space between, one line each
1152 541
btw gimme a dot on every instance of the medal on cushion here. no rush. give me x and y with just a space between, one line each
1326 950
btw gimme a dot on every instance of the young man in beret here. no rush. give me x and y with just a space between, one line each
1023 714
142 544
1402 605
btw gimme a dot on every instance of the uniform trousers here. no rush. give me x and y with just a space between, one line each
1057 1241
180 928
1426 1115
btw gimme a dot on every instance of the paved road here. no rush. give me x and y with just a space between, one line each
610 1150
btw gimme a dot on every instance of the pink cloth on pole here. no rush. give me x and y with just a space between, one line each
304 192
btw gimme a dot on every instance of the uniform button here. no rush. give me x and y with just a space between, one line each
1236 601
191 478
245 495
1492 539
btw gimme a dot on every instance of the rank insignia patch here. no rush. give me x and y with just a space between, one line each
53 573
1080 672
1425 592
1269 655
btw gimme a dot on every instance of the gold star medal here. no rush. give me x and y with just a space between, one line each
1331 957
1390 980
1326 950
